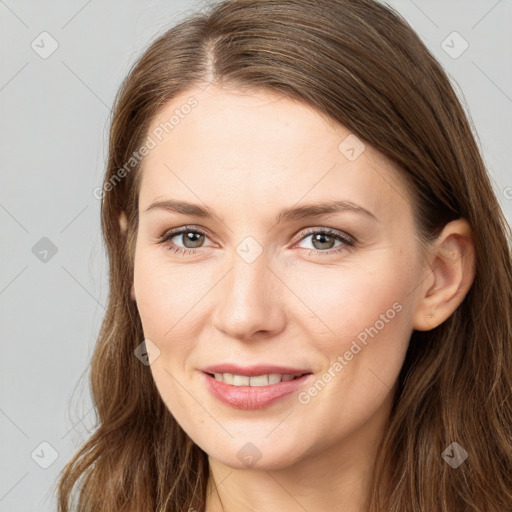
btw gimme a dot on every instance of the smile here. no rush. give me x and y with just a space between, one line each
254 392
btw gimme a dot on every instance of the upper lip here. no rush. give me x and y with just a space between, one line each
257 369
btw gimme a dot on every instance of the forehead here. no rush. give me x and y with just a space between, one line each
260 148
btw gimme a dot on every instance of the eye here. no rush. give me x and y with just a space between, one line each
323 239
191 236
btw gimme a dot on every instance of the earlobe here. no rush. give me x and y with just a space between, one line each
123 224
452 265
123 221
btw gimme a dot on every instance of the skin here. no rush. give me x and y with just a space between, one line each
248 155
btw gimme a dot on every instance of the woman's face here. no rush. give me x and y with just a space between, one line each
260 284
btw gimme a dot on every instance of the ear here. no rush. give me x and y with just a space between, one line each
452 264
123 224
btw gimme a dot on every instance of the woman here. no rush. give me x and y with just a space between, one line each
310 276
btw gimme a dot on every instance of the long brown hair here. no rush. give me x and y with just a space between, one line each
361 64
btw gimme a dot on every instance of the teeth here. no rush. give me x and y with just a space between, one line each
274 378
241 380
257 380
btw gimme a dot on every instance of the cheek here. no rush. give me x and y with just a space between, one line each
361 324
342 302
167 295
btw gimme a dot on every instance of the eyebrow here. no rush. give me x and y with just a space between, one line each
288 214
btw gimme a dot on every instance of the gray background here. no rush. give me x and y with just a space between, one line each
53 146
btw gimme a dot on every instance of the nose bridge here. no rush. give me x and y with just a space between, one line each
247 301
250 280
249 260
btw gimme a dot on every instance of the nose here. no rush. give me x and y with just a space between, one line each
250 300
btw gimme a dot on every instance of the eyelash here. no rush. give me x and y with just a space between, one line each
349 242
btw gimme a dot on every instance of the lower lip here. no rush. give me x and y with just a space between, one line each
253 397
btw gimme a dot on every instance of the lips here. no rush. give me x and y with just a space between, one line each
247 397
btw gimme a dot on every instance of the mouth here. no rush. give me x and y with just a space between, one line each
254 391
